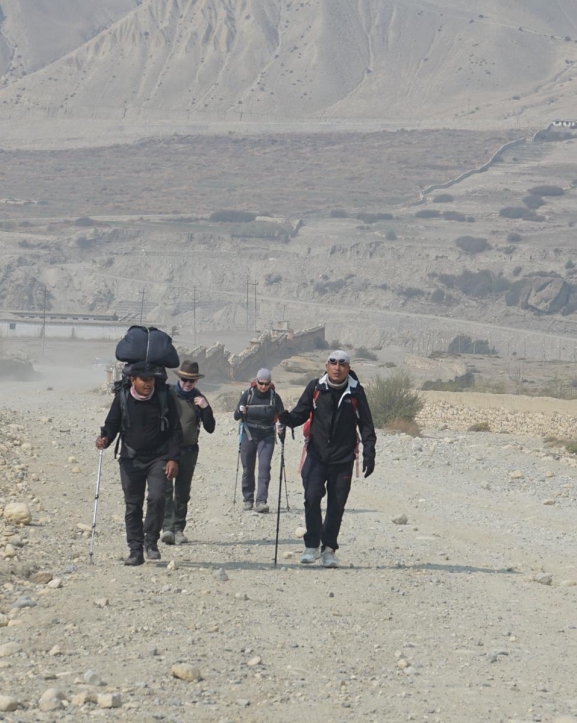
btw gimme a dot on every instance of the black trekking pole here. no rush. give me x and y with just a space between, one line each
96 496
240 428
279 500
284 472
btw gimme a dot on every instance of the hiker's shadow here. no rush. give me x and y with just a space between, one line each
458 568
241 543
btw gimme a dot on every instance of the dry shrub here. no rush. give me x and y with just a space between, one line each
479 427
403 426
393 398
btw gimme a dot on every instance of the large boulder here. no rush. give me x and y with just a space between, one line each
545 294
18 512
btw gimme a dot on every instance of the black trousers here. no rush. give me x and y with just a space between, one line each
319 479
178 492
134 475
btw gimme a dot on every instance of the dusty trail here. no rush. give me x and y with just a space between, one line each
423 621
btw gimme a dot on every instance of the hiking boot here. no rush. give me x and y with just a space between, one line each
247 505
328 558
180 538
310 555
152 553
261 507
135 558
167 537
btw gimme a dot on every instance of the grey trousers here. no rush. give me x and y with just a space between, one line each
250 449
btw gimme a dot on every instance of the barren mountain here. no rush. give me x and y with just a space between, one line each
274 60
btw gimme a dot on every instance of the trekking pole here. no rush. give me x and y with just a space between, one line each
96 496
285 480
284 470
240 428
279 501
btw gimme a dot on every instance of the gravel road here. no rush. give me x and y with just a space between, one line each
463 612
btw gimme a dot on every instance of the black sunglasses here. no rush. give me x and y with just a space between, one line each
342 362
188 381
263 383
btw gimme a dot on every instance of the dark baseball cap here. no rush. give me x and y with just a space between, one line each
142 370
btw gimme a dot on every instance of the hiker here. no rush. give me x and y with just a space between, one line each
145 415
334 405
194 410
258 409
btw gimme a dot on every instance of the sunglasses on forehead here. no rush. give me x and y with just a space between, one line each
334 361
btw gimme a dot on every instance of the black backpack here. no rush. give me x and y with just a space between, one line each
149 345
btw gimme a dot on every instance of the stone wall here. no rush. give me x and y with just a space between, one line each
524 416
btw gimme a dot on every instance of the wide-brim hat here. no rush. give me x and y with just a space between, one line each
189 370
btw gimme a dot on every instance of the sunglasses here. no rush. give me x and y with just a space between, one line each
263 384
188 381
334 362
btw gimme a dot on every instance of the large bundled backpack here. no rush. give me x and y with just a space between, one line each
147 344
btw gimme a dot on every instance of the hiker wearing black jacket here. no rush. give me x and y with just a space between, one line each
147 420
194 411
258 409
333 406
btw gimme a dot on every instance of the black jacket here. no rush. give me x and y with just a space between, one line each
333 435
145 437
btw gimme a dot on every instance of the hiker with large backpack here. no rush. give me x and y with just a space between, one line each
258 411
145 416
332 408
194 410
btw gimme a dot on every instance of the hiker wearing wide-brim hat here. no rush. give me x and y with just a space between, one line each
189 370
258 409
194 411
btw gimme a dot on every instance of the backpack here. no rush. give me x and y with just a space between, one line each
307 430
250 397
122 388
148 345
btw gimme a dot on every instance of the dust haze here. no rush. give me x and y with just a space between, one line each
389 169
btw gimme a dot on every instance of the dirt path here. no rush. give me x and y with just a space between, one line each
438 619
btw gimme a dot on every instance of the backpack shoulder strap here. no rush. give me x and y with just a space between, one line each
163 399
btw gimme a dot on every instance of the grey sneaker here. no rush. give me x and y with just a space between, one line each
167 537
310 555
247 505
152 553
261 507
180 538
328 558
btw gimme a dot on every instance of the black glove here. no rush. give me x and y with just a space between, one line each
285 419
368 467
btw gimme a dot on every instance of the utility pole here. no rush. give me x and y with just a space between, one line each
255 284
142 304
44 321
194 312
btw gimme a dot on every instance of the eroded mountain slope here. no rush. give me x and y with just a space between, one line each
253 60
